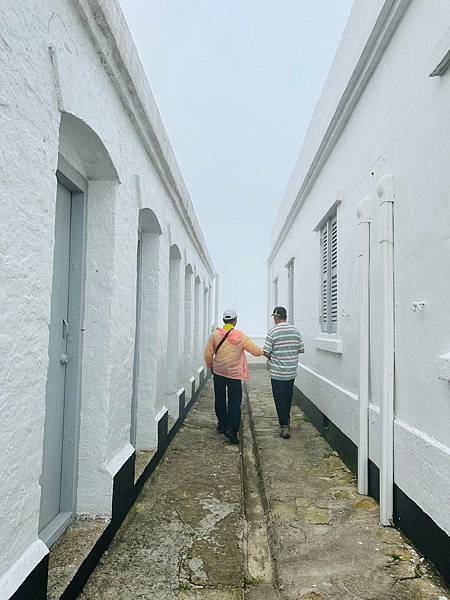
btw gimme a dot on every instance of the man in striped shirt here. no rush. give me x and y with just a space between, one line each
283 345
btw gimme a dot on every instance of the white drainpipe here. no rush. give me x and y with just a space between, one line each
364 211
386 194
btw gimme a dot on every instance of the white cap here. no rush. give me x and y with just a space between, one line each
230 313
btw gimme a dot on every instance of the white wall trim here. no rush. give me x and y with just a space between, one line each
328 344
106 25
338 388
330 211
426 439
337 403
421 468
421 464
442 67
440 57
161 414
290 261
382 33
114 465
15 575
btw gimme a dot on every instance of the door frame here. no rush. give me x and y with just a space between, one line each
71 179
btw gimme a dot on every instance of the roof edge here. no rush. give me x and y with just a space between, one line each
343 88
110 33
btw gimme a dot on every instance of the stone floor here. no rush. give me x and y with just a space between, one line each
274 519
325 539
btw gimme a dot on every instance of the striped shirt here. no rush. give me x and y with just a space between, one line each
283 343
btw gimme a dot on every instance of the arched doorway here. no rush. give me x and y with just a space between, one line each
147 309
60 468
172 374
188 324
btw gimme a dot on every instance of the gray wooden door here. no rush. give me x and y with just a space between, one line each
58 352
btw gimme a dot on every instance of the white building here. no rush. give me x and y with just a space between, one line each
361 258
106 285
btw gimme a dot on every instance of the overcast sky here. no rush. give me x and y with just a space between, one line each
236 83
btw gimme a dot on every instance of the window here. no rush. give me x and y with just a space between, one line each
275 291
291 289
328 266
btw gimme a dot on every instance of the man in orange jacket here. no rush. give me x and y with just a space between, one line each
225 355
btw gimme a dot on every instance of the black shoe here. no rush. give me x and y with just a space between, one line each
221 428
285 431
232 436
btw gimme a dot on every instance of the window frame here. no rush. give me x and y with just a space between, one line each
290 266
275 290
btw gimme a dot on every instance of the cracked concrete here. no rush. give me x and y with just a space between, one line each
274 519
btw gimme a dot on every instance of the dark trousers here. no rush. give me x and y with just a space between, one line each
282 394
228 414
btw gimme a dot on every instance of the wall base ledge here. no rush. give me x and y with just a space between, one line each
33 561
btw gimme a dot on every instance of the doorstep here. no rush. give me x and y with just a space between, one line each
69 553
143 458
171 423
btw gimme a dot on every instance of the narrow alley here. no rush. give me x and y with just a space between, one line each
272 519
161 162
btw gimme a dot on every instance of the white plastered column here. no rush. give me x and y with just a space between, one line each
95 481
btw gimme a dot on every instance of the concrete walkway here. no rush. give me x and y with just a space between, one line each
278 519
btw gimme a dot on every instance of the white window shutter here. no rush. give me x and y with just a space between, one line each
329 281
324 287
333 275
275 292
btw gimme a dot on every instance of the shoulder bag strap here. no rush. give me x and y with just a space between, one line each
222 341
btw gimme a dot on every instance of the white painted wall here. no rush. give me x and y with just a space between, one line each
378 116
72 83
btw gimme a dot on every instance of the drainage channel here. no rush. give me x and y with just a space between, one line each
261 577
